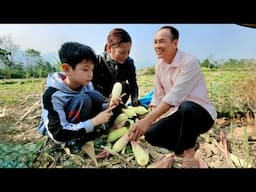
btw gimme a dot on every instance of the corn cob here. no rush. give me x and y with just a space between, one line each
120 118
141 155
140 110
120 143
116 92
129 112
116 134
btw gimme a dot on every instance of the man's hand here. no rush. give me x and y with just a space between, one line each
103 116
138 129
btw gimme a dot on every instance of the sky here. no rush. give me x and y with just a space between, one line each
216 42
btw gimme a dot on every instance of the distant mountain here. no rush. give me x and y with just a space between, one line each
52 57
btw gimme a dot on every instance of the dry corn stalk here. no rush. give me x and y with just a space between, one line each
89 149
220 147
118 156
202 163
240 162
165 162
2 114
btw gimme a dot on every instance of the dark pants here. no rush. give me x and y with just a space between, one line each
180 130
83 107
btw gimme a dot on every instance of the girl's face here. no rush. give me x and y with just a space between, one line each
119 53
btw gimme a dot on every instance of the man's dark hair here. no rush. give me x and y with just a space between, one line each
174 33
73 53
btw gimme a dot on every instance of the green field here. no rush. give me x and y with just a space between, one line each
231 92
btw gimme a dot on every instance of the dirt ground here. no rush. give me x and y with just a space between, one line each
229 144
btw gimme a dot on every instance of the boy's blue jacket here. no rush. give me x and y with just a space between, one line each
54 100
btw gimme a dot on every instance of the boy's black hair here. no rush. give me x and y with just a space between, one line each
73 53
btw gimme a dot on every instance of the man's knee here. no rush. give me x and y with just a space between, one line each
149 136
186 106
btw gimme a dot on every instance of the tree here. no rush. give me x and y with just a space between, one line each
8 48
33 58
4 58
7 43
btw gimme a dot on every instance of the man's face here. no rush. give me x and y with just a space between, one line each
164 45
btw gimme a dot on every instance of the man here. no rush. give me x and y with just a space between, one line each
181 109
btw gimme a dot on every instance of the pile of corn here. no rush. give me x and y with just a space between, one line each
118 137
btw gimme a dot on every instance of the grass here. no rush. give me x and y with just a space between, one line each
13 92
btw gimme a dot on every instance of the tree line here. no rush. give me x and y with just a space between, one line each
34 65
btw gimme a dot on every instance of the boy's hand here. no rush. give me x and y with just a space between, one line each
103 116
117 101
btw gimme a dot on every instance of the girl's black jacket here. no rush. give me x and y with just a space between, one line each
107 72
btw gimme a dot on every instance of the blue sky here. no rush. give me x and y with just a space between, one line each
214 41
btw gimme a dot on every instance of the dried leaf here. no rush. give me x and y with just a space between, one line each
90 151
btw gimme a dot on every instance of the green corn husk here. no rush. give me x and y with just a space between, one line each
141 155
116 134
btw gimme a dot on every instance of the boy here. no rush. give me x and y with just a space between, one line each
71 109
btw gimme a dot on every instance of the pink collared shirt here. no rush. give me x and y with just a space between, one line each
181 80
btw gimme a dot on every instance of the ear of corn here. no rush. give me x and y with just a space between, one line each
129 112
116 92
141 155
120 118
116 134
131 123
140 110
121 143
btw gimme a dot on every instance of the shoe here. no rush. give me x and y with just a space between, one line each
75 146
